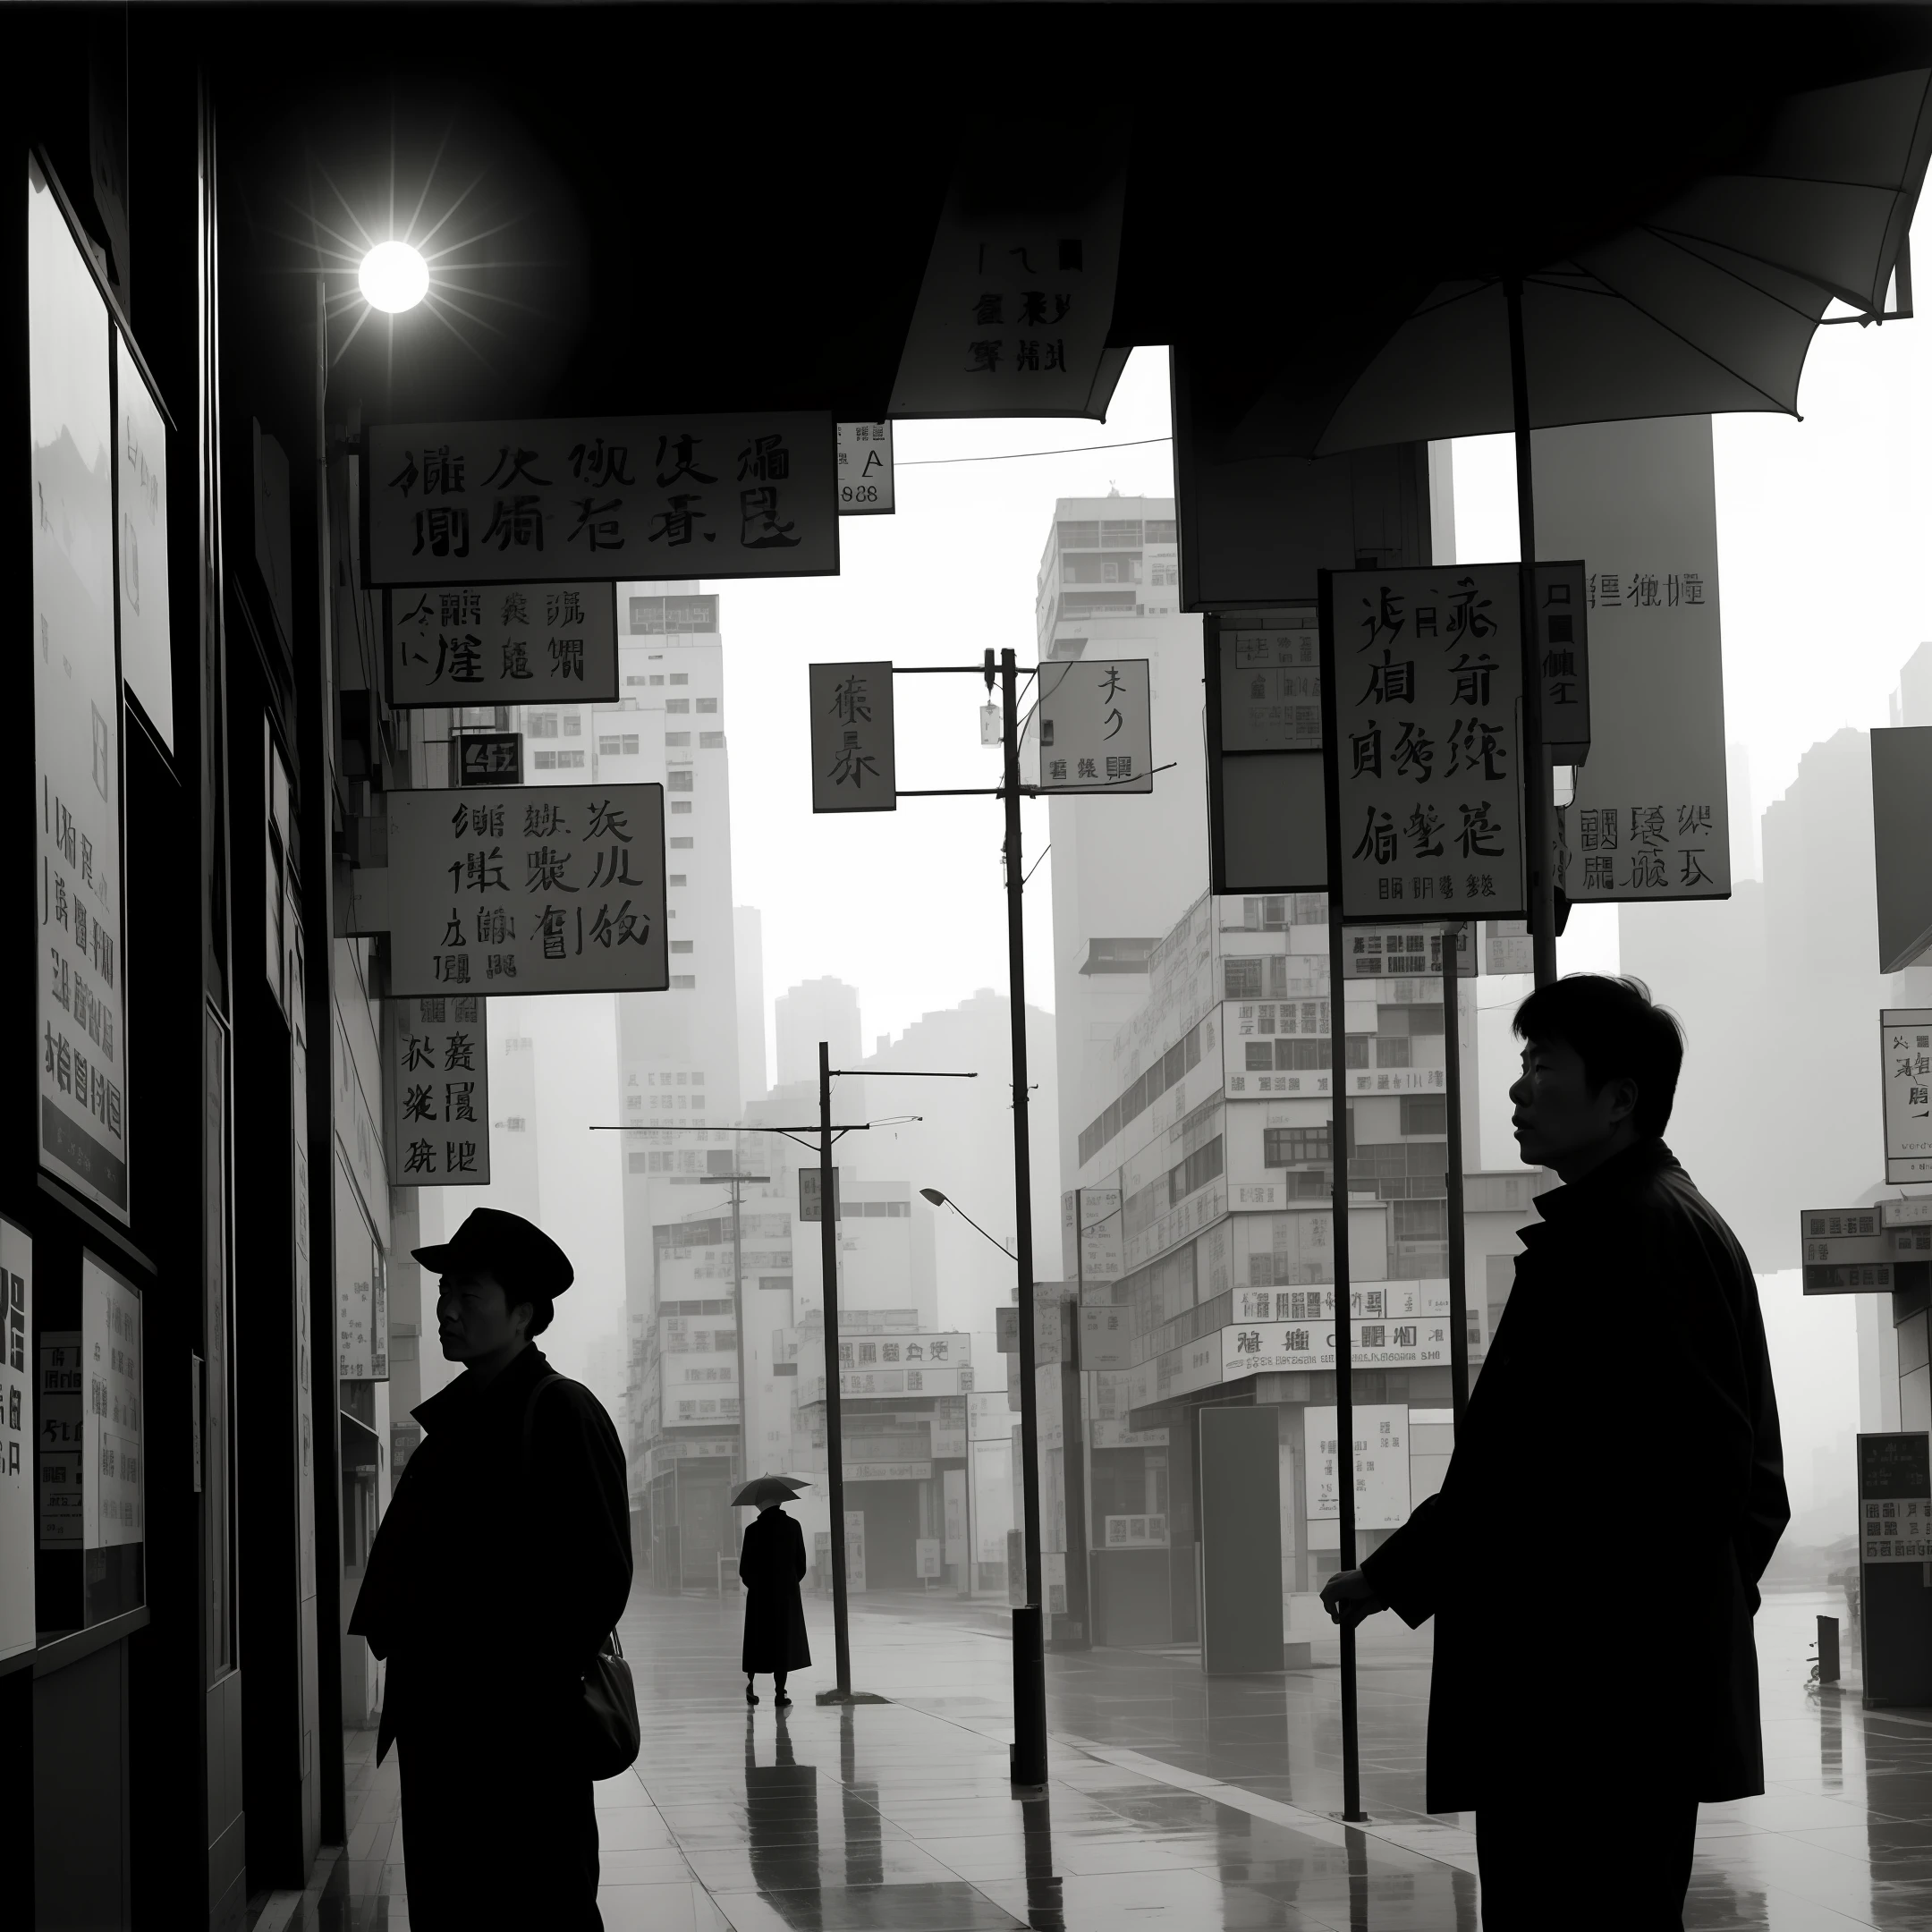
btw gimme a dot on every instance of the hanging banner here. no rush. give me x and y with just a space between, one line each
538 889
604 497
509 644
81 1046
17 1531
1650 819
1422 683
1018 298
1905 1079
1093 726
111 1449
1563 660
854 758
865 469
439 1055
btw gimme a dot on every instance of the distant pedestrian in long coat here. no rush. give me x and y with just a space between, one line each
770 1566
502 1563
1616 1491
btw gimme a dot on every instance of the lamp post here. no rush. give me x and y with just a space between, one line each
1030 1643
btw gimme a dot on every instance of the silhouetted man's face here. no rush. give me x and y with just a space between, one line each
476 1320
1559 1123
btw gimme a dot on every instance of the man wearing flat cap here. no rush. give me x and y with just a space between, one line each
504 1561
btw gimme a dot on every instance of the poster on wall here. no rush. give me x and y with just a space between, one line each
1381 1470
111 1451
81 1023
17 1530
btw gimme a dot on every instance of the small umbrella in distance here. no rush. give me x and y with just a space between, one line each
763 1490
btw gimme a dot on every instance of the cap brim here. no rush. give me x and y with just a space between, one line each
435 1260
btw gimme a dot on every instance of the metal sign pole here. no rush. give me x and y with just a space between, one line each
835 1444
1453 1081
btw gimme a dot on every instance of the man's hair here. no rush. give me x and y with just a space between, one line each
541 1307
1618 1031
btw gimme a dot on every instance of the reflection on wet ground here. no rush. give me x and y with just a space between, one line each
1176 1800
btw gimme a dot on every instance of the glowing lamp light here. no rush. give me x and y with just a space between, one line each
394 276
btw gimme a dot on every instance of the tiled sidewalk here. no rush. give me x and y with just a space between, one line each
1175 1802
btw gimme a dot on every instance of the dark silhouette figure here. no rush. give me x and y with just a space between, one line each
770 1564
1593 1576
503 1562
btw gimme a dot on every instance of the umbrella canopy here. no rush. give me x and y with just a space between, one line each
1706 305
763 1490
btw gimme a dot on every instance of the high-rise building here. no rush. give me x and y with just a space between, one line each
812 1011
753 1064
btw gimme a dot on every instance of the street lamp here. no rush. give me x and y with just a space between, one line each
940 1201
394 276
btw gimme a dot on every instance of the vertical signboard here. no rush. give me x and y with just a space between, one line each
80 1045
854 764
17 1531
147 660
808 1207
1095 725
865 469
1905 1079
509 644
112 1459
1894 1499
1421 681
1380 1470
1563 660
1638 500
439 1053
60 1439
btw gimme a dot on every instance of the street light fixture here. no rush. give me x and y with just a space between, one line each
942 1200
394 276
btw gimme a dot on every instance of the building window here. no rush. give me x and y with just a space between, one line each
680 805
543 723
710 741
708 704
1293 1146
676 878
683 982
682 844
1392 1052
681 946
679 781
623 745
1120 535
677 737
1299 1056
572 726
1260 1056
1160 529
1241 978
1356 1050
677 704
1078 536
658 677
1426 1113
681 677
1165 573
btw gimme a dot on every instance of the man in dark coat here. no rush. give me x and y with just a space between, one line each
1592 1558
503 1562
770 1564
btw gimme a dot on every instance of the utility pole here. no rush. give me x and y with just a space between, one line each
1029 1762
842 1691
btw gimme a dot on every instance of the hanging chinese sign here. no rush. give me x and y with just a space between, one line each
865 469
535 889
439 1055
82 1045
1650 819
1421 681
854 764
17 1440
1093 725
508 644
604 498
1905 1072
1563 660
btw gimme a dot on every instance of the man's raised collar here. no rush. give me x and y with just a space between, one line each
462 1403
1634 1165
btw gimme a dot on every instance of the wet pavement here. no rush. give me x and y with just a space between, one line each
1174 1801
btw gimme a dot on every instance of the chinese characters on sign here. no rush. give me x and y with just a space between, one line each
1563 660
1271 682
1424 671
1895 1497
559 501
60 1440
1905 1075
1095 725
1855 1251
809 1180
81 1044
865 469
16 1442
111 1344
1650 819
489 759
1381 1470
854 763
439 1091
502 644
534 889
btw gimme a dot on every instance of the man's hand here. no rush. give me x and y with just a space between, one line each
1348 1598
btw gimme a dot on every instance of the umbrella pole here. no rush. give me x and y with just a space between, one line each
1539 797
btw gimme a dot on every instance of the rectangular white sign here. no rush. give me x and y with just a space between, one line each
1911 1210
1095 725
80 1048
1106 1337
1639 501
1426 672
506 644
528 889
1271 681
865 469
439 1053
1381 1469
1253 1348
146 656
1905 1074
1856 1251
111 1344
854 763
61 1439
633 497
17 1535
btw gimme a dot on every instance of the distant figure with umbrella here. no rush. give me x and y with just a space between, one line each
770 1565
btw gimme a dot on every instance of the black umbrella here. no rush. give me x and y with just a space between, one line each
763 1490
1705 305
